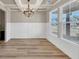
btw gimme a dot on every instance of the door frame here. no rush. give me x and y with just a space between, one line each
7 18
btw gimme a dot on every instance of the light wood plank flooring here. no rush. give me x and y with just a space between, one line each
30 49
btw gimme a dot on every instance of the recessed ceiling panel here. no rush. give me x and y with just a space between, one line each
71 7
8 1
54 1
26 1
49 1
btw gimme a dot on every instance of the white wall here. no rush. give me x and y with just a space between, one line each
23 27
28 30
37 17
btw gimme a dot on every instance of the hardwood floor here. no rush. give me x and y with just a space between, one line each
30 49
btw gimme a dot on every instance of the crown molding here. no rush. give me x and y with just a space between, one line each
2 4
42 6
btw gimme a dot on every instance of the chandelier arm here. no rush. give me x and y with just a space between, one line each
28 12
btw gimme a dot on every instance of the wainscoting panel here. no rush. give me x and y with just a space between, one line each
28 30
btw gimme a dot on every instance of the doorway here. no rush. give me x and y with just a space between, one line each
2 25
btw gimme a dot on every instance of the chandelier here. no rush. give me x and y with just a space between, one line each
28 12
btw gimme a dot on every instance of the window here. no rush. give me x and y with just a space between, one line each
54 22
71 21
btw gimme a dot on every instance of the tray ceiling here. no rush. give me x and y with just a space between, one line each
8 1
25 1
46 4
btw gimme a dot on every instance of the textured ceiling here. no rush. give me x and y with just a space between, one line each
8 1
